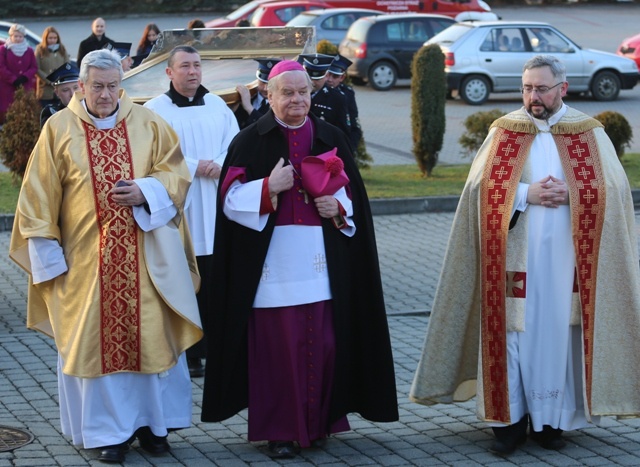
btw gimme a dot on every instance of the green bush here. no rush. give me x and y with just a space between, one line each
477 126
617 128
20 132
428 97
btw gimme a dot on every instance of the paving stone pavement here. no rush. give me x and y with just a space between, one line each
411 247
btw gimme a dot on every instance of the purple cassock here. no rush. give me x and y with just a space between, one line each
292 348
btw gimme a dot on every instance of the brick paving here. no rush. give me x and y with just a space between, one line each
411 248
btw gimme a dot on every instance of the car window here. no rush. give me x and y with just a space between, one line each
439 25
287 14
339 22
451 34
545 40
394 32
503 40
243 10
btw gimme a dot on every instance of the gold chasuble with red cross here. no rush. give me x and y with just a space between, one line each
127 302
480 295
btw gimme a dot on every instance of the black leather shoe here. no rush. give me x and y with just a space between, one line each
282 449
508 438
319 443
113 454
151 443
196 368
549 438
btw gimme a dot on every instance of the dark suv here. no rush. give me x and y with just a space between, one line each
382 47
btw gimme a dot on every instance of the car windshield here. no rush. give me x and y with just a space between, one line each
358 30
450 35
302 20
243 10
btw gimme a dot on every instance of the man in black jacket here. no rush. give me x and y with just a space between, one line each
335 79
96 41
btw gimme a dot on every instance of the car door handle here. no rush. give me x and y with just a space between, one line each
488 60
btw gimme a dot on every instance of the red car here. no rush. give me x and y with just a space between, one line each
280 13
630 48
244 12
444 7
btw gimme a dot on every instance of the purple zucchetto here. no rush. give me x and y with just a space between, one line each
285 65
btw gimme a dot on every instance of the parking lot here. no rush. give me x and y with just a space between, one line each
385 116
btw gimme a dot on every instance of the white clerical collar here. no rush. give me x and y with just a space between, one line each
103 123
545 125
290 127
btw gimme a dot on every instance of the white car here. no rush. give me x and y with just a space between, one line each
486 57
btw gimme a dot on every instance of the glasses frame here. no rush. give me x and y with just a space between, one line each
538 90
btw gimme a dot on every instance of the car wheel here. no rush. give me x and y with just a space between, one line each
605 86
475 90
382 76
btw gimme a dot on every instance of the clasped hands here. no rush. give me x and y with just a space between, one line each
281 179
208 169
549 192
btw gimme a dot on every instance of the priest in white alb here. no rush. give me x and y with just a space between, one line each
205 126
538 303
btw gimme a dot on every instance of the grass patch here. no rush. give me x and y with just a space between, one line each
406 181
9 192
382 181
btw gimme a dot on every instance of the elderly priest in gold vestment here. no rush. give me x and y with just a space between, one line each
112 276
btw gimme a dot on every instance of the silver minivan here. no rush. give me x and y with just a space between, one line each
486 57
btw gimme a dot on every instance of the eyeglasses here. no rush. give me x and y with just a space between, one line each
541 90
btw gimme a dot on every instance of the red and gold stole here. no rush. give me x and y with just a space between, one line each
502 173
110 160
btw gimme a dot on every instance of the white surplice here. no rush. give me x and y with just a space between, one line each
205 132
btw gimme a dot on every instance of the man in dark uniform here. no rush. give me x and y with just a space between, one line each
250 109
65 84
326 103
335 80
96 41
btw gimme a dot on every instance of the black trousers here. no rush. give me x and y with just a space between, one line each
199 350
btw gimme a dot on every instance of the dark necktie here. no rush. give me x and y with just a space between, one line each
264 107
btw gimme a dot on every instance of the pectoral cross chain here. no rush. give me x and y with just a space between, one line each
306 195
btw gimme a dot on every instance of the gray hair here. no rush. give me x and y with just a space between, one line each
102 59
272 84
180 48
555 65
17 28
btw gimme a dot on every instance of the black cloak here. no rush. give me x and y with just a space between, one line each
364 379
